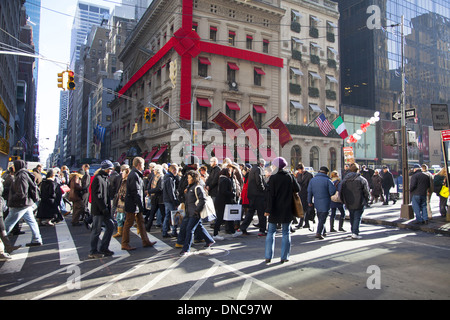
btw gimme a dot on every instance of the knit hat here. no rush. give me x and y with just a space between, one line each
324 169
106 164
279 162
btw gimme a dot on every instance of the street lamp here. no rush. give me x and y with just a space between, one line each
191 150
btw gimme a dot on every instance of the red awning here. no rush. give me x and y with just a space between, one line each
150 154
259 71
222 152
232 33
204 102
233 66
246 154
249 37
259 109
159 153
203 60
233 105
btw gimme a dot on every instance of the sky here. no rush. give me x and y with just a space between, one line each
54 44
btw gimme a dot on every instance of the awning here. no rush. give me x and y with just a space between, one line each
333 110
203 60
267 154
315 45
222 152
150 154
204 102
259 109
297 105
332 79
246 154
259 71
297 40
233 66
144 154
159 153
331 24
333 50
233 105
296 71
315 75
315 107
296 13
315 19
232 33
249 37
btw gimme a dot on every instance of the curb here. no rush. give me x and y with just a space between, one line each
432 227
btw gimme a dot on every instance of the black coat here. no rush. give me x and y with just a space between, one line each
51 195
194 191
354 191
282 185
170 193
225 194
419 183
134 198
256 184
156 193
100 201
303 180
213 181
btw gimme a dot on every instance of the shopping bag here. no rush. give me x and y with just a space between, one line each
297 208
233 212
208 212
444 192
177 216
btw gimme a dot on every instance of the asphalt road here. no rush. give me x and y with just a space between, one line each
388 263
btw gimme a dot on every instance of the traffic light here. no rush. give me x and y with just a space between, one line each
61 83
70 80
13 158
152 115
147 115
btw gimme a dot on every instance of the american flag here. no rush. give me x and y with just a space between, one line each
24 143
324 125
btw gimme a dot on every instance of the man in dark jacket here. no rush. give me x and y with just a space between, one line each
21 198
213 179
355 194
256 196
134 205
387 183
303 178
418 188
170 198
101 212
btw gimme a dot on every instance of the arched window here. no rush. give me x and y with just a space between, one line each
296 156
314 158
332 159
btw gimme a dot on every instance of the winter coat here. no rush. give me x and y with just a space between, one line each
282 185
419 184
51 195
438 182
134 198
156 194
377 189
256 184
114 183
76 190
213 181
23 191
387 180
354 191
192 209
170 194
100 201
321 189
119 198
225 194
303 180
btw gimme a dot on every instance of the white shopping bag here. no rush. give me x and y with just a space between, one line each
233 212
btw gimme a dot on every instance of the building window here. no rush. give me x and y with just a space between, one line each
231 38
203 66
332 159
213 34
296 156
249 42
257 76
266 46
314 158
313 30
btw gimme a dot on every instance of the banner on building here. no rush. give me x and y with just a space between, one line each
225 122
283 132
253 136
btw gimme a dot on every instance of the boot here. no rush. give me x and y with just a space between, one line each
119 232
126 240
142 232
332 225
341 224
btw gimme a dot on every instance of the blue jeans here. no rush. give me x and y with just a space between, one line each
97 222
322 217
419 205
355 220
166 223
285 241
191 226
15 214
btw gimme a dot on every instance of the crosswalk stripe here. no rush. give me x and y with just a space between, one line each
67 250
20 255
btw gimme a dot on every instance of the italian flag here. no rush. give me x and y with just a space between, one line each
340 127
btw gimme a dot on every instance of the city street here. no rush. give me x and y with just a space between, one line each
388 263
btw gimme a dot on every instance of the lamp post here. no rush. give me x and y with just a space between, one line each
191 150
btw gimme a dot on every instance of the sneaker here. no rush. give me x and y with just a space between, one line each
97 255
218 238
185 253
5 256
107 253
262 234
208 245
237 234
34 244
356 236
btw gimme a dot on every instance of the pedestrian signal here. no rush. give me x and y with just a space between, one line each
61 83
71 80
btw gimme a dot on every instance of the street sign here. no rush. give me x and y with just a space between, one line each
439 113
445 135
410 113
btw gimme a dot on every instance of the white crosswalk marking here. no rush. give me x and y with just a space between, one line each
19 256
67 250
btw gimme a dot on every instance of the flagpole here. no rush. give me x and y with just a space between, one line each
314 119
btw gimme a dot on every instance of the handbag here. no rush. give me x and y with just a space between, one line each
336 197
444 191
310 213
232 212
297 207
208 212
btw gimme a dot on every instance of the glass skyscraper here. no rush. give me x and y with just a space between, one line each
371 59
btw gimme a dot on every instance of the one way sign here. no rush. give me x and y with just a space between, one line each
410 113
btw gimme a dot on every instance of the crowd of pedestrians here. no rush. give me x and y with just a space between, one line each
171 197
